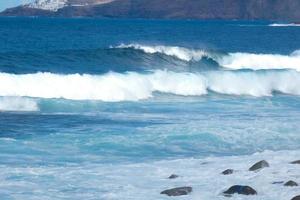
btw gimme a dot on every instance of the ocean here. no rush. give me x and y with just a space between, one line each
107 109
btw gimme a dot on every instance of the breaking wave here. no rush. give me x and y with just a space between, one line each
178 52
234 61
141 58
133 86
261 61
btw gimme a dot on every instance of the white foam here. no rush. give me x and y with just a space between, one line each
108 87
18 104
254 84
283 25
261 61
134 86
146 180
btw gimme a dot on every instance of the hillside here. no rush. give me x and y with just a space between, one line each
174 9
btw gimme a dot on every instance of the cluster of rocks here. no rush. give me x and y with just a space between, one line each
236 189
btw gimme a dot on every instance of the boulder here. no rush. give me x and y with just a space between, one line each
173 176
278 182
259 165
177 191
227 172
291 183
296 162
296 198
240 189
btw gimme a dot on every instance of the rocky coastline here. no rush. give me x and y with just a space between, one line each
233 190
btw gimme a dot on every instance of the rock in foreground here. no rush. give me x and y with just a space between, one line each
296 198
291 184
173 176
296 162
278 182
240 189
227 172
259 165
177 191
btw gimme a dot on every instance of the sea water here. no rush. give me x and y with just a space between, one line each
108 109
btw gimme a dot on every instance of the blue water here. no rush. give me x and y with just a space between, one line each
81 96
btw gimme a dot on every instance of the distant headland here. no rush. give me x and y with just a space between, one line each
287 10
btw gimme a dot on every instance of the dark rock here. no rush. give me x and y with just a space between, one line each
173 176
291 183
296 198
259 165
227 172
240 189
277 182
296 162
177 191
204 163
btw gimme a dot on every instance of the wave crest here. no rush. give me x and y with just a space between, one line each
233 61
135 86
252 61
178 52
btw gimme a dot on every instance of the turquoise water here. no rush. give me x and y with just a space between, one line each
97 109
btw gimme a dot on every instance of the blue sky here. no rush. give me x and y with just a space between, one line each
11 3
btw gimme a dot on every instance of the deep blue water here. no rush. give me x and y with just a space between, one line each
83 95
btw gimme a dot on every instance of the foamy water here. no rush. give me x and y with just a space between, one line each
131 181
284 25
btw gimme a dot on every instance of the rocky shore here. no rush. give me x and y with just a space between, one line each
236 189
186 179
269 179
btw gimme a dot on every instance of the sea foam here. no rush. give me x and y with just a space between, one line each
18 104
283 25
129 181
261 61
133 86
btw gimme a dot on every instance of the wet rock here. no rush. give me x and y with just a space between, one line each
296 198
177 191
173 176
227 172
291 184
240 189
204 163
259 165
296 162
278 182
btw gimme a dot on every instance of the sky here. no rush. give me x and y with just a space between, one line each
11 3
